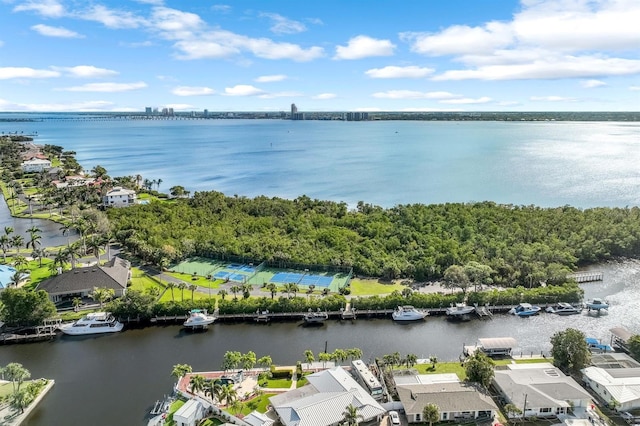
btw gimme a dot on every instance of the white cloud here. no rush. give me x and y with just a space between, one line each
324 96
61 32
61 107
192 91
362 46
86 71
462 101
282 25
111 18
7 73
546 39
106 87
136 44
551 99
461 39
412 94
222 8
204 50
548 68
270 78
590 84
242 90
174 24
48 8
634 88
280 95
399 72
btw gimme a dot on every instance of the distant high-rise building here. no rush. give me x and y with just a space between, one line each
357 116
205 114
148 110
294 110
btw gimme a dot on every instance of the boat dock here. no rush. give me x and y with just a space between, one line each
484 312
586 277
348 312
47 331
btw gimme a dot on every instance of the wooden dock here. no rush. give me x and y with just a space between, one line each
586 277
47 331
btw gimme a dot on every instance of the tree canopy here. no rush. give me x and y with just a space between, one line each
512 245
21 307
479 368
569 350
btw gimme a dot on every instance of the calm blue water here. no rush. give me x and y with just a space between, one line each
584 164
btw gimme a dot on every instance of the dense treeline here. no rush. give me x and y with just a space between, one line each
523 245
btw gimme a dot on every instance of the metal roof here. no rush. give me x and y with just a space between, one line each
498 343
621 333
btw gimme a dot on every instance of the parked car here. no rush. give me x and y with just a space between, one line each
394 418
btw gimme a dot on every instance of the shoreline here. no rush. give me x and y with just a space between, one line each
20 418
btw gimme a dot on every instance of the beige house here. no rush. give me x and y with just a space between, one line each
119 197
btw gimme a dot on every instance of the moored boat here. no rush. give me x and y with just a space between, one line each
597 346
459 311
563 308
525 310
93 323
408 313
596 305
198 318
315 317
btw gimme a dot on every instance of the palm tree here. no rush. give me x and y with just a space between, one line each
354 353
16 278
351 416
228 394
235 289
222 293
193 288
197 383
59 260
19 400
246 290
72 252
324 357
17 241
325 291
308 355
158 183
16 374
273 288
182 286
102 294
76 302
171 286
66 229
310 289
431 413
180 370
94 244
411 360
5 245
8 230
19 262
34 237
433 360
265 361
339 355
39 254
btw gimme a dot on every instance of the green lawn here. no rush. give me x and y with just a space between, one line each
140 281
5 389
200 281
361 287
278 383
175 406
260 403
457 368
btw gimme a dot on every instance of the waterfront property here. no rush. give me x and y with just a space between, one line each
493 346
6 275
80 282
539 390
615 377
93 323
456 401
36 165
323 401
119 197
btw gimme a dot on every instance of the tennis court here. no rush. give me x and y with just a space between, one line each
241 267
303 279
231 276
198 265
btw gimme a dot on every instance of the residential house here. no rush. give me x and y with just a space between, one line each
455 400
539 390
80 282
119 197
189 414
324 400
36 165
615 377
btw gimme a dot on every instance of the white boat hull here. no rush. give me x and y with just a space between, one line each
83 331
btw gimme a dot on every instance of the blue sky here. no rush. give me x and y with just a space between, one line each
342 55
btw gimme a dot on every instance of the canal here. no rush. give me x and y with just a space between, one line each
114 379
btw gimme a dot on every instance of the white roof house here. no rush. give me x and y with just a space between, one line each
36 165
119 197
455 400
189 414
621 384
323 401
539 390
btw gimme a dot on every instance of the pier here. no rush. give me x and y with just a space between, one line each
586 277
47 331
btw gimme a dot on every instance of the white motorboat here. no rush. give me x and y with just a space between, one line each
563 308
198 318
525 310
408 313
315 317
93 323
460 311
596 305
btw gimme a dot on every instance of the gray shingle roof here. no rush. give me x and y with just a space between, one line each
450 397
113 275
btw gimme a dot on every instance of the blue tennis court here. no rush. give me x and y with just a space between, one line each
292 277
237 277
222 275
235 265
241 267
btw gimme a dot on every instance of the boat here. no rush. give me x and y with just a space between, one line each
525 310
459 311
93 323
408 313
596 305
315 317
198 318
596 346
563 308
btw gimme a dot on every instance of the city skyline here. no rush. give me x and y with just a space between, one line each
464 55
